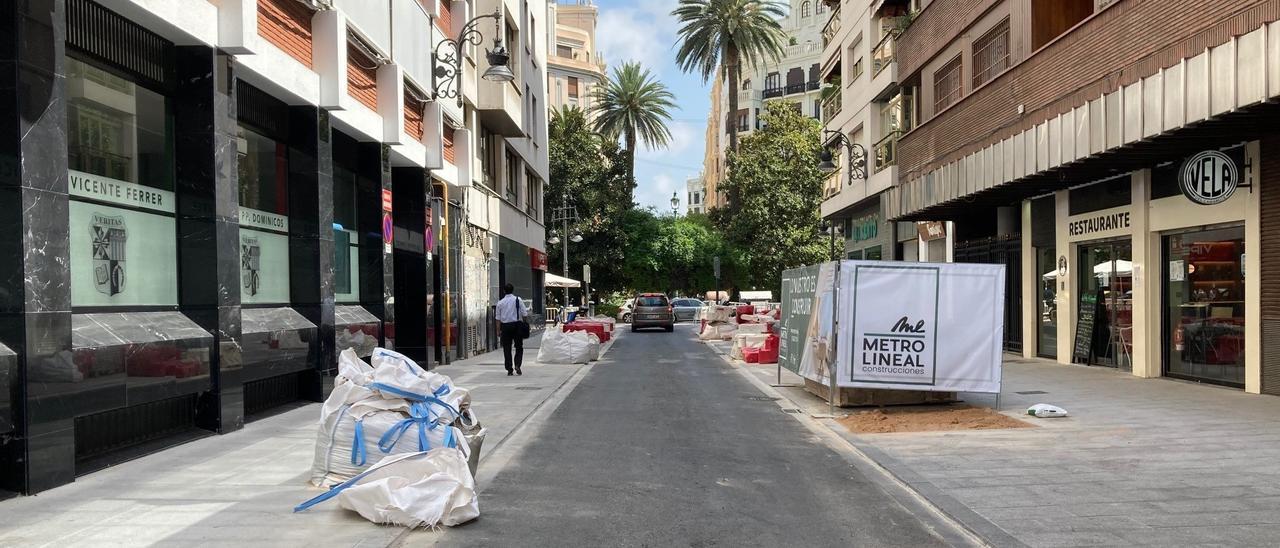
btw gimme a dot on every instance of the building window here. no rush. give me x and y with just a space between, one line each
362 76
805 9
123 240
772 80
1204 306
820 8
513 177
263 167
991 53
488 157
573 87
746 84
564 51
947 85
857 70
533 193
346 239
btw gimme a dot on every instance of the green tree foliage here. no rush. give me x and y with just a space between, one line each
672 254
632 105
592 173
775 175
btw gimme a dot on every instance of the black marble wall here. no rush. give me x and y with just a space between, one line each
311 235
208 222
413 287
373 173
35 277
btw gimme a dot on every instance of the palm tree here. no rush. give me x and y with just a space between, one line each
726 34
634 106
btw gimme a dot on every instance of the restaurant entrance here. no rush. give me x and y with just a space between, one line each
1106 283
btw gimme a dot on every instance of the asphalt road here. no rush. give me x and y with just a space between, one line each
661 445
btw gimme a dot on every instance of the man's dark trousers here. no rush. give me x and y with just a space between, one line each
511 333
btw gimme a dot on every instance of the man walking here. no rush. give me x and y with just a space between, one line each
510 314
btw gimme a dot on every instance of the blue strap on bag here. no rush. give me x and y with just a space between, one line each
359 454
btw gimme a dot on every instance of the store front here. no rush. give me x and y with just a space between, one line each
1147 271
866 235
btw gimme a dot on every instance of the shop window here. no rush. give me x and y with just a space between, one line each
947 85
120 155
264 217
991 53
346 241
1204 304
1115 192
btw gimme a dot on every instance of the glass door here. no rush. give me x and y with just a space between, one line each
1047 303
1106 272
1204 306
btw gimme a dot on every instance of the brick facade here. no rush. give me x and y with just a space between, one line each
1130 40
412 115
362 81
450 153
287 25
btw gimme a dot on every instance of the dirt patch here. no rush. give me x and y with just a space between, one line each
929 419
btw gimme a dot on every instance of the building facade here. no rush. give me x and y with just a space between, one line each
1118 157
792 78
213 199
695 195
863 102
575 67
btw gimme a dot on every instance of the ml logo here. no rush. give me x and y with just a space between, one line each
1209 177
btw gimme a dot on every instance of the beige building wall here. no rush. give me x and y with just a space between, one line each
712 161
574 66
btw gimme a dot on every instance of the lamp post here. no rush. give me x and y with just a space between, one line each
675 205
857 155
564 215
447 57
832 230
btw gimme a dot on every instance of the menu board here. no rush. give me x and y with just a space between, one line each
1086 315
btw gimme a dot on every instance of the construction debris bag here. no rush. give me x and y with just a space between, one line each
566 348
718 332
743 341
422 489
474 435
374 411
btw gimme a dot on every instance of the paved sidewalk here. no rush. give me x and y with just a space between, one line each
240 488
1138 462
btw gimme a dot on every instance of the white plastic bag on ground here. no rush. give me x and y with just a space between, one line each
1045 411
413 490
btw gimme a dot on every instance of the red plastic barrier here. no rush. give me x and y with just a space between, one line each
751 355
598 328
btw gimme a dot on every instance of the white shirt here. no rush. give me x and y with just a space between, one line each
510 309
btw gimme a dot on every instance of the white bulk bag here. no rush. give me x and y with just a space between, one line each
565 348
743 341
421 489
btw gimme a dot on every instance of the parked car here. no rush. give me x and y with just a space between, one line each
652 310
686 309
624 313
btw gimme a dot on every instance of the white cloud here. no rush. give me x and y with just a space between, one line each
656 192
643 33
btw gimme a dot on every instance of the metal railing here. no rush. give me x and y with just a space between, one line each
831 107
833 27
883 54
770 93
795 88
886 150
812 85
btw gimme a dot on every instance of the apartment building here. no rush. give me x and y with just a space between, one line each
792 78
210 200
1119 157
713 168
865 110
575 67
695 195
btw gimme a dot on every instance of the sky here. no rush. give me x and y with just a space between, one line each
644 31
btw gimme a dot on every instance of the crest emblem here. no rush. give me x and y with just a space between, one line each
250 265
109 236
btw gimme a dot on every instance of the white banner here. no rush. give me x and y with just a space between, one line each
920 326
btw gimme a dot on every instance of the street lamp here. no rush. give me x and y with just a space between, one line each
564 215
857 155
832 229
675 204
447 57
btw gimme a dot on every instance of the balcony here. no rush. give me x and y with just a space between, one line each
831 107
883 54
746 96
795 88
797 50
812 85
770 93
886 150
833 27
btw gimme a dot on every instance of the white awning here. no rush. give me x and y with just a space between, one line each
560 281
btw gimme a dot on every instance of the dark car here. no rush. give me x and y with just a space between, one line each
686 309
652 310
